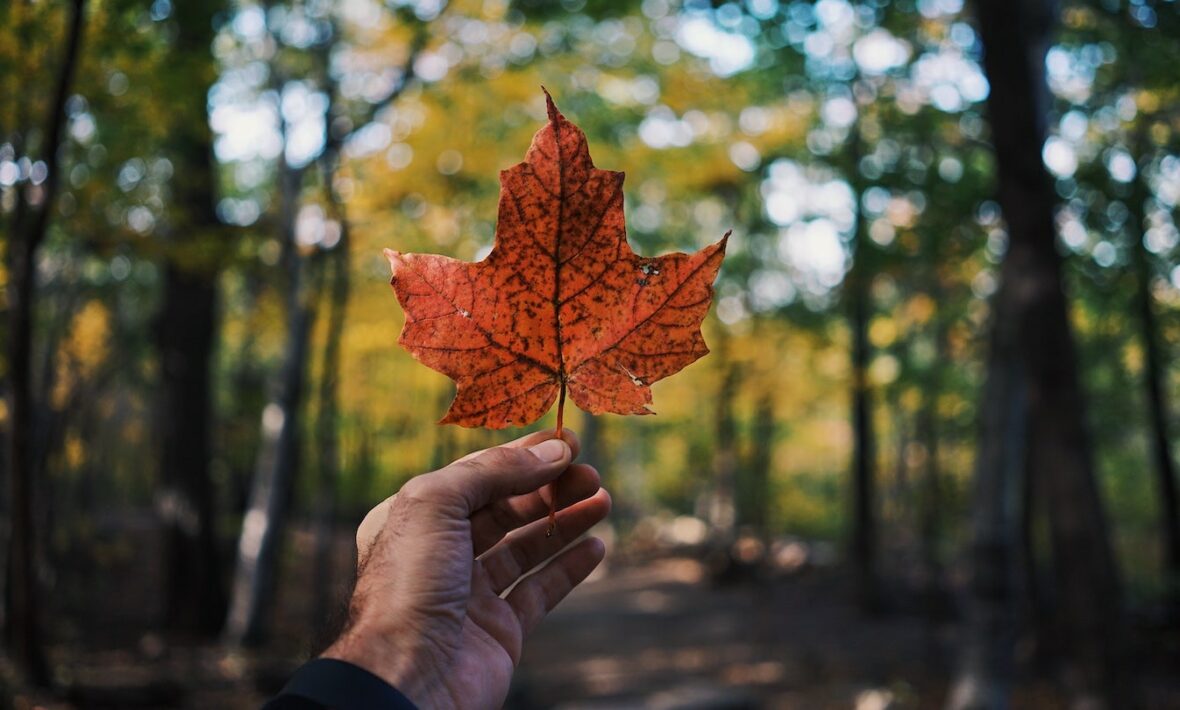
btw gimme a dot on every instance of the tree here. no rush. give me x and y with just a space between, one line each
337 286
864 448
278 454
186 330
27 228
930 496
1154 377
723 512
277 465
760 466
1033 414
1145 74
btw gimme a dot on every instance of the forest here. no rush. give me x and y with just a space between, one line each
930 461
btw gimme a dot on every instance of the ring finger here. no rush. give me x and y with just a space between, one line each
529 546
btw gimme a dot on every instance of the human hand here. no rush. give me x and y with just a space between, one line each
429 614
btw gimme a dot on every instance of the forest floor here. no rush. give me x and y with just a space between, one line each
651 631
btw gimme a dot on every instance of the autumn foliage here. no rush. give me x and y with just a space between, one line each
560 303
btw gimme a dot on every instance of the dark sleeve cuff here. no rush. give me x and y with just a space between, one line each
331 683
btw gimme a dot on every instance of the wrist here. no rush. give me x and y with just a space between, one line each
406 668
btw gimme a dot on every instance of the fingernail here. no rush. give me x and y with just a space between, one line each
549 450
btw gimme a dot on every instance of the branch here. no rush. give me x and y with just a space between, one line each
53 129
332 143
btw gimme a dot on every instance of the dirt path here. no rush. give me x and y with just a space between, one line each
647 633
660 635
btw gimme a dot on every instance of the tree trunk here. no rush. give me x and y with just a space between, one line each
248 382
328 441
22 599
985 681
28 227
195 598
1033 416
930 487
758 492
590 437
327 426
722 510
725 498
186 331
1154 367
862 534
265 521
896 509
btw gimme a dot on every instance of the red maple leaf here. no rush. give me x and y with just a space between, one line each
560 303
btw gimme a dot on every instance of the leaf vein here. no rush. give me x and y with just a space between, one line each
636 326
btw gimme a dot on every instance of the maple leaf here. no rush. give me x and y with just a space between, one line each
560 302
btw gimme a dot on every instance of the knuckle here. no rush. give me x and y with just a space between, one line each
504 457
417 488
419 494
477 465
428 494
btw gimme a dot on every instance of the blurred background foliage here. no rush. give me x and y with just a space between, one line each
270 150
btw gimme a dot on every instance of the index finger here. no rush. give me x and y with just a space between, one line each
375 519
569 436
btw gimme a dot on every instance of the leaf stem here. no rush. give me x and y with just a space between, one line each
553 486
560 409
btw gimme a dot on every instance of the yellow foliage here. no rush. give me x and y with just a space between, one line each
882 331
83 351
74 451
911 399
884 370
920 309
1133 358
1148 101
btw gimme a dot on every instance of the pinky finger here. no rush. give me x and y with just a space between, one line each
538 593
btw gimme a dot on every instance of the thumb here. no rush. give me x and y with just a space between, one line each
497 473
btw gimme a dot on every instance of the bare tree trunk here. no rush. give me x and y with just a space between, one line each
51 422
722 511
248 381
1033 416
862 542
927 432
985 681
29 225
724 499
327 430
265 521
590 436
1032 607
1154 367
327 426
758 493
186 330
195 597
896 507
